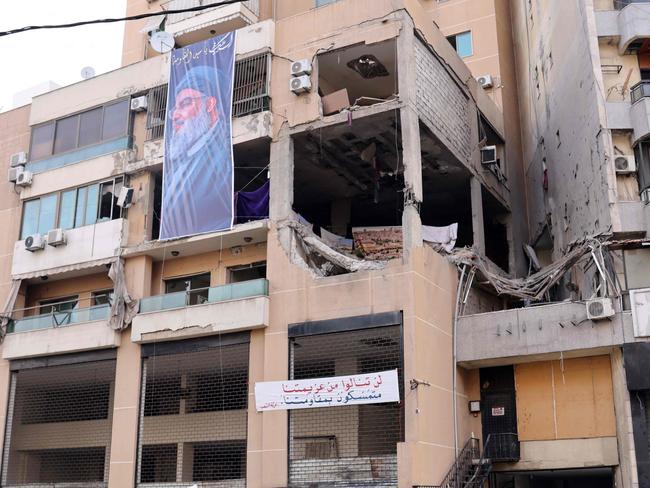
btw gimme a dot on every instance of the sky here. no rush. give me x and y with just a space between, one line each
30 58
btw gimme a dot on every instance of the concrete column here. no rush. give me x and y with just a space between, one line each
340 215
281 167
126 402
124 433
478 227
626 474
410 133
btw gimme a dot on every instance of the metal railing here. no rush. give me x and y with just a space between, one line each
200 296
250 94
640 90
463 468
25 319
252 5
502 447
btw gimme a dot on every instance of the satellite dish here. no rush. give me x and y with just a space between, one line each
162 41
87 72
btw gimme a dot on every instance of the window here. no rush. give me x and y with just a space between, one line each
200 283
72 208
246 272
102 297
320 3
158 463
462 43
63 304
221 460
99 124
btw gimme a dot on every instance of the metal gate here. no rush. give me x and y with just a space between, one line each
347 445
193 418
499 414
59 426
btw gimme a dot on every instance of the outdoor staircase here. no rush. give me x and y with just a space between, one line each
470 470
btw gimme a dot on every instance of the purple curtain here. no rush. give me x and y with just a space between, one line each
252 205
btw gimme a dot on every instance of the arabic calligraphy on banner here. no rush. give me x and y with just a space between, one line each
380 387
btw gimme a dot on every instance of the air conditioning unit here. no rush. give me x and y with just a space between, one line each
600 308
139 104
24 178
125 198
18 159
300 84
301 67
56 237
485 81
13 173
488 155
625 164
35 242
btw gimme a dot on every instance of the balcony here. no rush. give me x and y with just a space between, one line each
536 333
201 312
30 333
190 27
628 23
86 247
640 110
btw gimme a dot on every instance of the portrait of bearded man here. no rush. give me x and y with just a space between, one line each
197 180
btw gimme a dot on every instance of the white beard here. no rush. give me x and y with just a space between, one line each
188 134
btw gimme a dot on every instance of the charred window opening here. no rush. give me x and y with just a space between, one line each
495 217
247 272
193 419
357 75
349 445
350 177
157 205
59 425
492 149
446 196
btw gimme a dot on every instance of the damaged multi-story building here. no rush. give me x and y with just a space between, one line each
453 191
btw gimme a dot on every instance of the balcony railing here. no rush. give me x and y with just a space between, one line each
252 5
60 314
640 90
502 447
200 296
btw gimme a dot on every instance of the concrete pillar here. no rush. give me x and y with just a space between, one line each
124 432
478 227
626 474
281 168
340 215
410 134
128 368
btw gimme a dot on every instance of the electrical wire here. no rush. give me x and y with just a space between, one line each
117 19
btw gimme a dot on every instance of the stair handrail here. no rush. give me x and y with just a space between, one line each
481 460
451 479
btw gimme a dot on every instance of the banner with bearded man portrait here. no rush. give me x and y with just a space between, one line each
197 194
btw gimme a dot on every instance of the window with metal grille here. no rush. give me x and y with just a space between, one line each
59 425
348 445
193 422
250 94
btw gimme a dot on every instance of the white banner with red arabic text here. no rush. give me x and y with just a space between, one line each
336 391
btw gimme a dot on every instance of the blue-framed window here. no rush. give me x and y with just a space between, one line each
462 43
67 209
87 128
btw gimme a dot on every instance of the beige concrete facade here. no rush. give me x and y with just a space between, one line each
572 402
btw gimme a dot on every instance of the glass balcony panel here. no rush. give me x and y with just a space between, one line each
60 319
213 294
